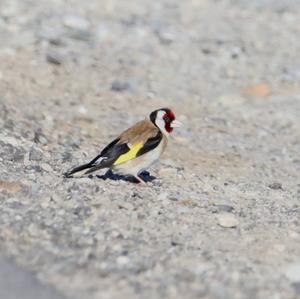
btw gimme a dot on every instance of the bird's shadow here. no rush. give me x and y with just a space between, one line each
109 175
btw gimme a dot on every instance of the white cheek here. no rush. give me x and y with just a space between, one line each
161 125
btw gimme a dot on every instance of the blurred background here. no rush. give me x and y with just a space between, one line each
223 219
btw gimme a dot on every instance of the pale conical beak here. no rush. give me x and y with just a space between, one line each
176 124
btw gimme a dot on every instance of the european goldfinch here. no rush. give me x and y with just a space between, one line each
137 148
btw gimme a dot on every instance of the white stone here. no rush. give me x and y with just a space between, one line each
76 23
292 272
46 167
227 220
122 260
82 109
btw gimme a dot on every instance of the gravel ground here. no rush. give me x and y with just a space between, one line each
15 283
222 218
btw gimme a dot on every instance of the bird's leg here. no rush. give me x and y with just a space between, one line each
140 180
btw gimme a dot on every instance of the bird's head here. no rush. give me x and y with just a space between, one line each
164 119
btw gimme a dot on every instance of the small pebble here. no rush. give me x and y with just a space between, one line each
122 260
227 220
76 23
39 137
35 154
119 86
54 57
276 186
292 272
47 167
82 109
222 208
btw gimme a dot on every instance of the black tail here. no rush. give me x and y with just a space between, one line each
92 166
69 174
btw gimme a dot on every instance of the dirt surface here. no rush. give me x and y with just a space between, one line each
15 283
222 217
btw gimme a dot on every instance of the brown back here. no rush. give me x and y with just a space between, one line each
140 132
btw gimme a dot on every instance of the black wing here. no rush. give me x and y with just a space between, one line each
106 158
109 155
150 144
105 151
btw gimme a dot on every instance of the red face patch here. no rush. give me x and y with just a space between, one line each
168 118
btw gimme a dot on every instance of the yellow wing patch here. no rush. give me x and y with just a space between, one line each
131 154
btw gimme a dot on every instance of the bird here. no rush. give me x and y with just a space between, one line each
136 149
